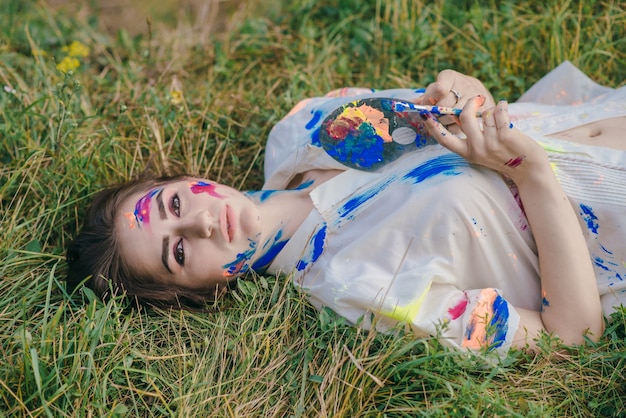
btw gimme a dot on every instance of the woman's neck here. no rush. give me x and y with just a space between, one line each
282 213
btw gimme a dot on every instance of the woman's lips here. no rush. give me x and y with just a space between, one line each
224 222
227 223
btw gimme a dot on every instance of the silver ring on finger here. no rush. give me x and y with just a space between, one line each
457 95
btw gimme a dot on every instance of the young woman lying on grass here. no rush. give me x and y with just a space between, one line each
512 227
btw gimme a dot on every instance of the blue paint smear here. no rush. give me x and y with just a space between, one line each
315 248
600 263
590 218
262 195
544 303
605 250
317 116
315 138
240 266
499 324
270 254
305 185
351 205
421 90
445 164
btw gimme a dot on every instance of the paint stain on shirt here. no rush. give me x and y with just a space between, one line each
314 249
317 116
457 310
589 218
446 164
488 323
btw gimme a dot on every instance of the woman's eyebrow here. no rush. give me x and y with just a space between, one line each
165 249
159 199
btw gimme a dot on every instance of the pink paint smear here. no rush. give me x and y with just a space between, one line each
142 208
202 187
458 310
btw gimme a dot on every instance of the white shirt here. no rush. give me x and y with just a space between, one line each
436 242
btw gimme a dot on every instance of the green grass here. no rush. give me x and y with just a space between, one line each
267 352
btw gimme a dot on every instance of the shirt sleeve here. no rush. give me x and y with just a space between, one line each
474 319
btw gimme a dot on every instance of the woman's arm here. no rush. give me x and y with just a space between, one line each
571 305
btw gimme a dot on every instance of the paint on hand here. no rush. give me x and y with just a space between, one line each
142 208
240 265
488 323
314 248
198 187
515 162
589 218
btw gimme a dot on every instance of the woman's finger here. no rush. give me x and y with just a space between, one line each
469 122
501 115
443 135
439 92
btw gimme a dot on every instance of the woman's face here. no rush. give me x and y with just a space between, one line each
190 233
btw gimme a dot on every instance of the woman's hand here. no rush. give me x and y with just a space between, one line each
497 144
572 304
453 89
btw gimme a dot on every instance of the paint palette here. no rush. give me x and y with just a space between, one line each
370 133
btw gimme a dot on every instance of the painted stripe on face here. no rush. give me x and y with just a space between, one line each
204 187
142 209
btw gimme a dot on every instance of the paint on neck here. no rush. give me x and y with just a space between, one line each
261 195
270 250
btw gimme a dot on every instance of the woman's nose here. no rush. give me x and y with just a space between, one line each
200 225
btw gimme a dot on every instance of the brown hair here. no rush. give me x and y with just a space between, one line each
94 256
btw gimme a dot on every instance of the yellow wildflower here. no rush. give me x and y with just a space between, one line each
68 64
39 53
176 92
176 97
76 49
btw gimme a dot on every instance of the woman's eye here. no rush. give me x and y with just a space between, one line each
175 205
179 253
